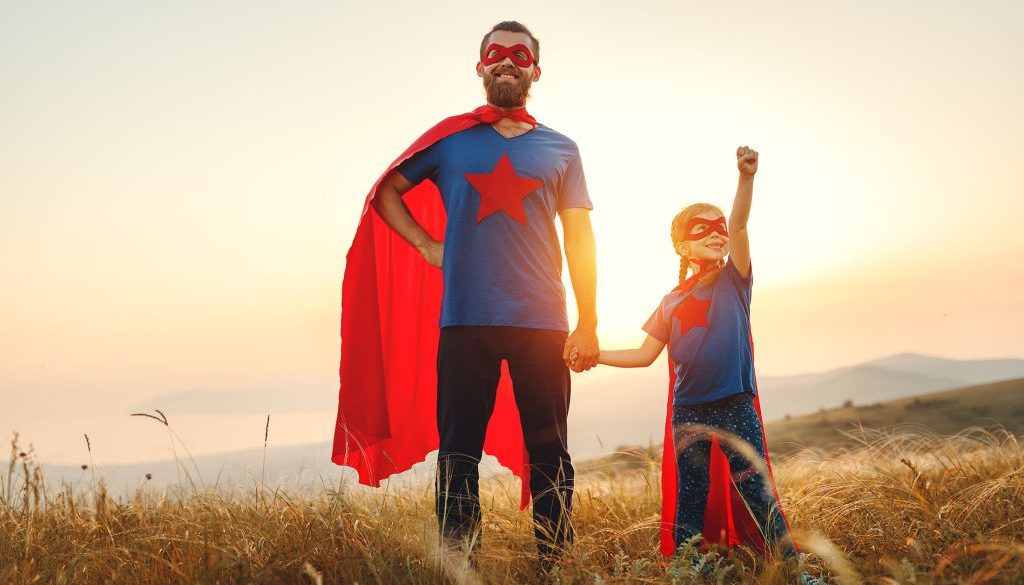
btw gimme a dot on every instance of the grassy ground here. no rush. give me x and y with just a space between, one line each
896 508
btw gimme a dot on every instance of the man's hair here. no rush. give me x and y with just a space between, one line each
513 26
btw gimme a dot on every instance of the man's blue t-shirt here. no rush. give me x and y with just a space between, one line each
502 262
708 335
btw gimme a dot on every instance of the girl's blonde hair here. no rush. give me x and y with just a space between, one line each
679 231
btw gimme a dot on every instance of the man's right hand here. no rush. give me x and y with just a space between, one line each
432 252
393 210
581 349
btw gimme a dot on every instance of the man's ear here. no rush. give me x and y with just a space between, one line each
536 73
479 69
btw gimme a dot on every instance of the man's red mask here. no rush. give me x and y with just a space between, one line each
699 228
519 54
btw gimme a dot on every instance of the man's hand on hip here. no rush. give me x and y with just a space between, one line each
581 349
395 213
433 252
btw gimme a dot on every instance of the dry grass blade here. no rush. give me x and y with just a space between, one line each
160 419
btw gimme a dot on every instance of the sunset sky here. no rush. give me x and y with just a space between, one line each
179 182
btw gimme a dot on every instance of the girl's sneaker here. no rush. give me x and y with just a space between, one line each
805 577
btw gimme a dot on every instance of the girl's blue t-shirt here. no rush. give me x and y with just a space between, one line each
499 269
708 335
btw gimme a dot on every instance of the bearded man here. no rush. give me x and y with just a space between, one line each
502 179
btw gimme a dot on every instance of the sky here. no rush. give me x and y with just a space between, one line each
179 182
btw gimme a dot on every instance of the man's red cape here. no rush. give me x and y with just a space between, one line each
727 520
390 308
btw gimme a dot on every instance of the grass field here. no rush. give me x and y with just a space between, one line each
894 508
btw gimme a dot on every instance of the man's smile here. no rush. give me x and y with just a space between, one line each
506 74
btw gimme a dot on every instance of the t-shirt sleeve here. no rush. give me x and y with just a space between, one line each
659 325
572 185
422 165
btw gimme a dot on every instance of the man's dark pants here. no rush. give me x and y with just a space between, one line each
468 368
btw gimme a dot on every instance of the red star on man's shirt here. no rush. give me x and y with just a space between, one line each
692 312
502 190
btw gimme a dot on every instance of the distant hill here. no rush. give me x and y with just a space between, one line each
944 413
293 466
886 378
985 405
880 380
297 468
303 397
622 407
862 384
977 371
627 407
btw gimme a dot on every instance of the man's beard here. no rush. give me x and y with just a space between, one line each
507 95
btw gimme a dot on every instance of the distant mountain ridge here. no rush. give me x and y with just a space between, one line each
298 398
637 396
993 404
612 408
989 406
888 378
292 465
986 370
296 467
885 378
309 467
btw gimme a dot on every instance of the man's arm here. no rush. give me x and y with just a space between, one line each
393 210
581 255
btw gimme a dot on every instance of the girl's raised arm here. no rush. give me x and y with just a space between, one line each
633 358
739 242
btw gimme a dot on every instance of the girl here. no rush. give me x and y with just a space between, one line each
716 482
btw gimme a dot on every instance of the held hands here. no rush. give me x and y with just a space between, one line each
432 252
746 161
581 349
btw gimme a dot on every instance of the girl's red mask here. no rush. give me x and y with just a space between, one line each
704 228
519 54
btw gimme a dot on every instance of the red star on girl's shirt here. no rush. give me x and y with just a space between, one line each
692 312
502 190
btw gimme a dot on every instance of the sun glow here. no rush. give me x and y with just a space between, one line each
179 184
